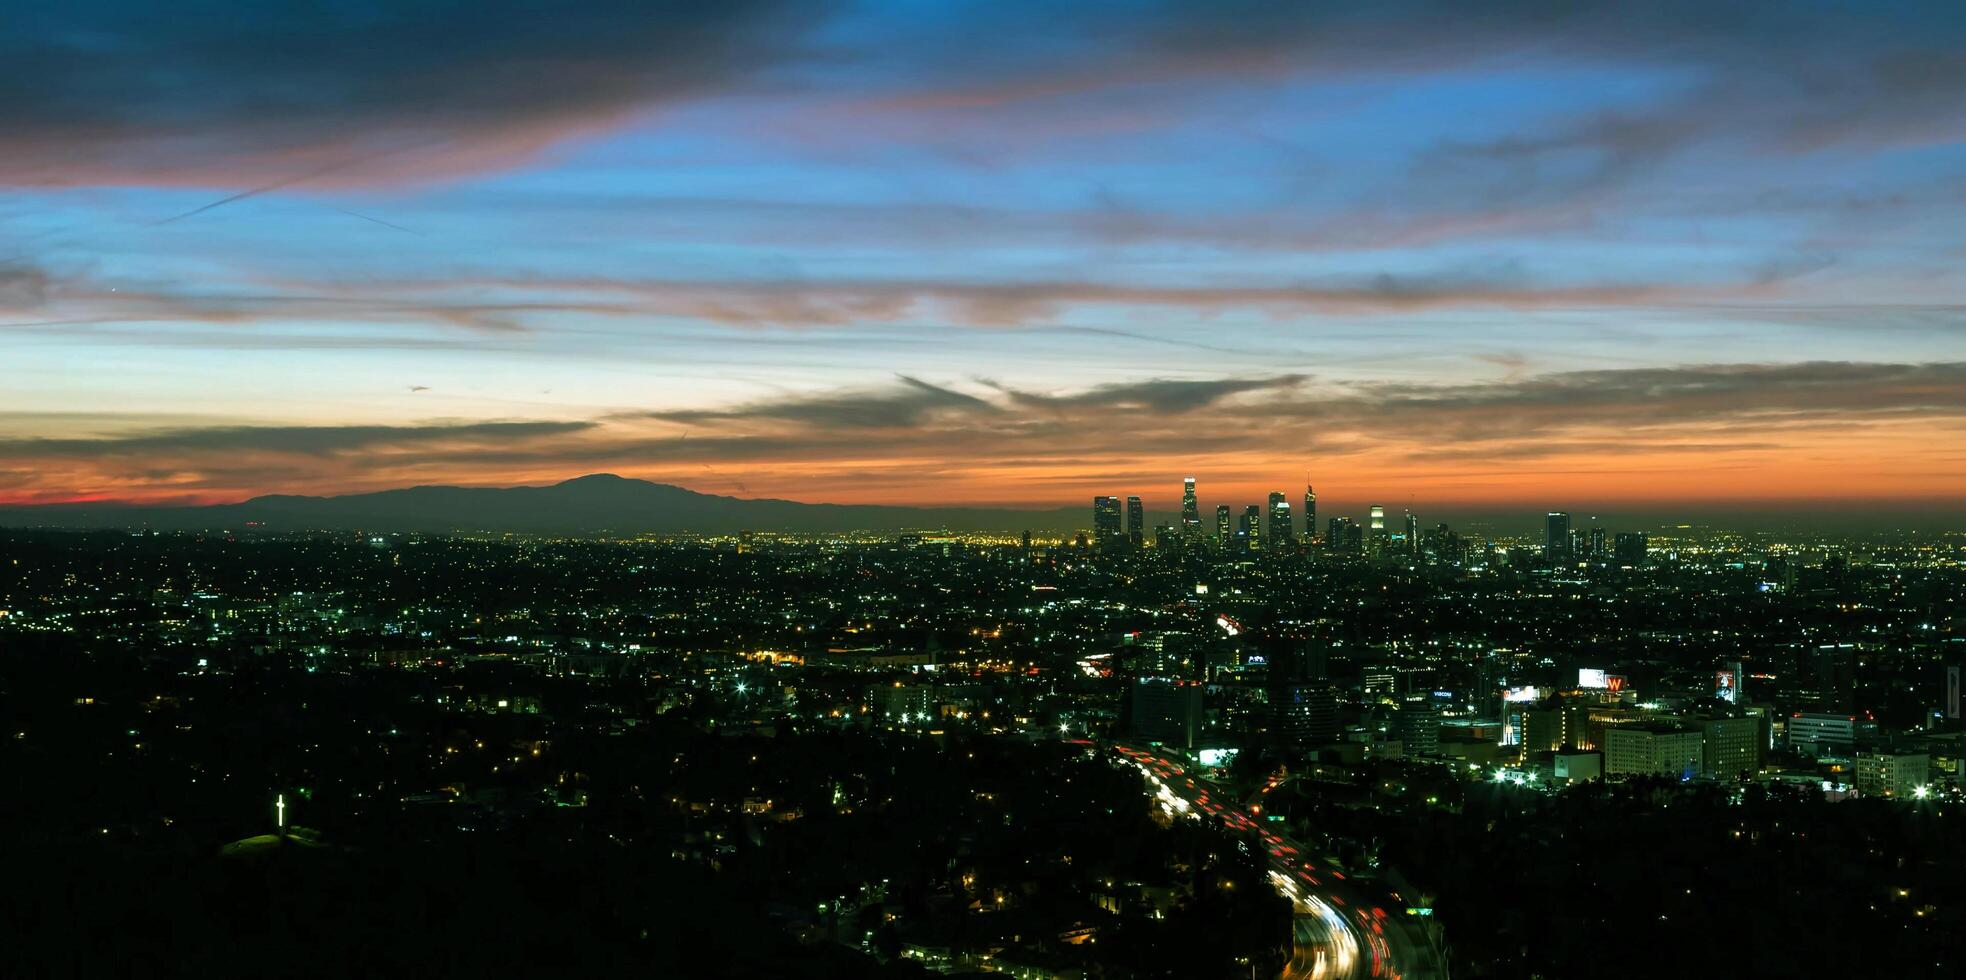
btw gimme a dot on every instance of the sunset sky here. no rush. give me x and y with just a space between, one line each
1480 255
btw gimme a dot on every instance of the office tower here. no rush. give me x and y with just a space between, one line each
1377 530
1654 749
1190 511
1818 733
1412 533
1167 711
1597 543
1280 524
1630 547
1310 515
1442 544
1892 774
1343 536
1165 536
1136 522
1106 531
1556 536
1417 724
1304 713
1249 533
1733 746
1222 527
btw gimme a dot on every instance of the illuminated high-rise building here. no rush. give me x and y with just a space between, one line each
1630 546
1556 536
1597 543
1249 533
1310 514
1190 510
1412 533
1342 536
1281 534
1106 531
1136 522
1376 530
1222 527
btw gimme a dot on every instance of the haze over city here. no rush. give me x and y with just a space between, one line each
1497 257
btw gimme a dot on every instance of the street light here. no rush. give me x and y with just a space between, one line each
1920 792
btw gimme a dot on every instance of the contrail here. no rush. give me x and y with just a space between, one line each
385 224
290 181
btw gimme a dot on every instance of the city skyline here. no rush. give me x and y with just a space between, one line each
1617 257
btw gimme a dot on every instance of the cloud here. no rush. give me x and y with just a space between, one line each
304 440
1159 396
1685 406
911 402
22 286
32 297
226 93
214 92
1781 430
819 303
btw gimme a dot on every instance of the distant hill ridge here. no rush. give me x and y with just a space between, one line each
589 504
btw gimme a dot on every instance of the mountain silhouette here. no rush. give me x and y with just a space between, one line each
597 503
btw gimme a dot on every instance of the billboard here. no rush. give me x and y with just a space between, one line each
1518 694
1593 678
1727 683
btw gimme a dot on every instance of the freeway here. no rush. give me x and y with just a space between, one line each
1342 930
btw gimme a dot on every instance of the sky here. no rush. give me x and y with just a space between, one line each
1513 254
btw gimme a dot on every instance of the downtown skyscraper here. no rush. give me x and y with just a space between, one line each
1556 535
1190 511
1106 529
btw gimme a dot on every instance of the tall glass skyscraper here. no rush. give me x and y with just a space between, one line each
1342 536
1106 521
1190 511
1376 530
1556 535
1136 522
1280 528
1222 526
1310 514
